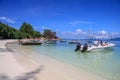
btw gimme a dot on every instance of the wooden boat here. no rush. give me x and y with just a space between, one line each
31 43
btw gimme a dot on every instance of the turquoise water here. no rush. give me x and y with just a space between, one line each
104 63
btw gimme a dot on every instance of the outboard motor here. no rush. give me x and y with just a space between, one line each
85 47
78 47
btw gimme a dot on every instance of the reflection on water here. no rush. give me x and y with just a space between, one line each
100 62
96 54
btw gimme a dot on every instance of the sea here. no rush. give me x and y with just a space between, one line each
105 63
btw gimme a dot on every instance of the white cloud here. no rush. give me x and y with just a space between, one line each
85 22
114 33
36 27
80 22
78 32
101 36
74 23
10 21
2 17
67 33
44 27
7 19
84 34
103 32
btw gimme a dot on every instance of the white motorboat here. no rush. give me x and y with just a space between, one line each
99 47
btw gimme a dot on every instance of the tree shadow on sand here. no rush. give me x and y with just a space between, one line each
4 77
26 76
30 75
3 50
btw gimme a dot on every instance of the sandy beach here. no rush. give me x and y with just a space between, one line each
20 66
8 64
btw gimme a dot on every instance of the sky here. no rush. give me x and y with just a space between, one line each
69 18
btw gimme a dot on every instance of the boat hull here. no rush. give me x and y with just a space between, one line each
27 43
51 42
99 48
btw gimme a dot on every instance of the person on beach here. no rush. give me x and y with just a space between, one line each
78 47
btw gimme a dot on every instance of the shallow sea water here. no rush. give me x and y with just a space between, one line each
104 63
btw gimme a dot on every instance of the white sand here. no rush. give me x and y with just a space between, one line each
8 64
14 65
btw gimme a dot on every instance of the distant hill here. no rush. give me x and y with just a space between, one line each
116 39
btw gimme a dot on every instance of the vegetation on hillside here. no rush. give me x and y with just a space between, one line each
26 31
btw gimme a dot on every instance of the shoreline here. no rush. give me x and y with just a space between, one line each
53 69
8 64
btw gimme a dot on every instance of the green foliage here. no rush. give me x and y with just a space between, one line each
46 33
53 35
26 31
20 35
49 34
27 28
37 34
7 32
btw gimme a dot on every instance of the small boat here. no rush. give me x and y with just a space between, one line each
73 42
31 43
99 47
63 41
50 41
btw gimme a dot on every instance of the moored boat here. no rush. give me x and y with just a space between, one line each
31 43
73 42
63 41
99 47
50 42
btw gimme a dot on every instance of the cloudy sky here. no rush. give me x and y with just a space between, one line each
69 18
